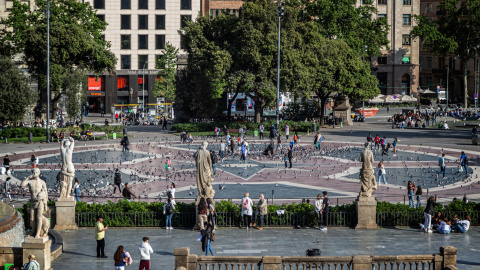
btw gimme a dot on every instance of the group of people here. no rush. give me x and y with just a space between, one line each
378 142
441 223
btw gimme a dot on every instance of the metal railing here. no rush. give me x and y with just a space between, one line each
413 218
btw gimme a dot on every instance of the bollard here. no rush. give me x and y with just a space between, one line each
30 137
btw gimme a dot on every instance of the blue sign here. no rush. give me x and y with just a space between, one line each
438 90
394 96
475 96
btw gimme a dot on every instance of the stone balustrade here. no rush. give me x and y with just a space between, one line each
445 260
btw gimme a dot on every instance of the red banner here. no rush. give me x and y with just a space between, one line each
122 82
95 84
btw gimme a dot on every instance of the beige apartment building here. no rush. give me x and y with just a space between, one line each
398 67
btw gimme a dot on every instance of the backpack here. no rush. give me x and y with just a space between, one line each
465 160
169 208
245 204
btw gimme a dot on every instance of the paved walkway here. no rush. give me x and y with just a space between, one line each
80 253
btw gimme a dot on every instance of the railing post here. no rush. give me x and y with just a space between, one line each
362 262
192 262
181 254
272 263
438 260
449 256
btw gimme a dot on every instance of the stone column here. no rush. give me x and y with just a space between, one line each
40 248
366 213
272 263
362 262
181 254
449 256
65 214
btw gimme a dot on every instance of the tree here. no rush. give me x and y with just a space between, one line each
456 32
342 19
166 83
75 86
76 42
331 66
16 96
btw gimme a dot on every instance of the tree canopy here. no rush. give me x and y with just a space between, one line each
166 84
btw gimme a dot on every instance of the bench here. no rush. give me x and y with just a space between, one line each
232 130
100 134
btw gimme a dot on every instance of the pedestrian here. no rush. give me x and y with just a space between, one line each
295 138
279 141
76 189
221 153
464 162
243 150
208 236
441 164
121 258
261 129
462 226
32 264
100 237
168 210
171 190
411 192
116 117
271 146
287 131
272 132
34 161
324 212
318 208
419 196
377 142
381 172
117 181
394 147
165 122
202 213
6 189
211 215
370 140
232 145
383 142
290 155
285 158
247 210
125 143
145 250
128 193
262 210
6 164
319 141
168 164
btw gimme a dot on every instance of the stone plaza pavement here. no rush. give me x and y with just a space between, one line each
80 247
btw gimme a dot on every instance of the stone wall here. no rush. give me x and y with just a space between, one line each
13 237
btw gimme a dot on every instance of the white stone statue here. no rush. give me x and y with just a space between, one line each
68 170
38 200
203 163
367 179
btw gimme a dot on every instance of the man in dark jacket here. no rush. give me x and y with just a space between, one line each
127 192
117 181
125 143
290 155
6 163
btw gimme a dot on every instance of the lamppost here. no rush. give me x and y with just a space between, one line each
333 116
280 12
363 59
143 91
418 91
48 71
448 72
476 78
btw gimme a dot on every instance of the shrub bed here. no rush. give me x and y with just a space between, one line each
199 127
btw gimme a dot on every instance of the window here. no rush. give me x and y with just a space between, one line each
407 19
99 4
140 79
382 16
125 4
126 41
160 4
407 2
184 19
429 81
101 17
142 61
382 60
160 42
382 82
366 2
429 7
142 21
452 63
142 42
159 21
406 60
186 4
142 4
158 57
429 63
125 21
406 39
125 61
122 83
382 2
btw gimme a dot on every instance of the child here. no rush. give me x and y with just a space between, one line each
285 158
318 207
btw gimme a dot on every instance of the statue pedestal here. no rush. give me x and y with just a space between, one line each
366 213
65 214
40 248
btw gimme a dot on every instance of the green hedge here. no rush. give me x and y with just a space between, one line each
19 132
200 127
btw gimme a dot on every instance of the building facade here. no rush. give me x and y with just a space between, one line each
397 69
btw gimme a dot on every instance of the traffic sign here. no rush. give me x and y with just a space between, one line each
475 96
394 96
438 86
438 90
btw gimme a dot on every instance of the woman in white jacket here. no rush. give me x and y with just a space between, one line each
247 210
318 207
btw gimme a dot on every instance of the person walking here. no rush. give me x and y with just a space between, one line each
318 209
290 155
222 150
394 144
6 190
125 143
287 131
441 164
272 132
324 211
171 191
271 146
208 238
464 162
211 215
202 213
411 191
428 213
76 189
381 172
377 142
117 181
121 258
168 164
232 146
419 196
247 210
168 209
128 193
145 250
243 151
6 164
285 158
261 129
262 210
370 140
100 237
